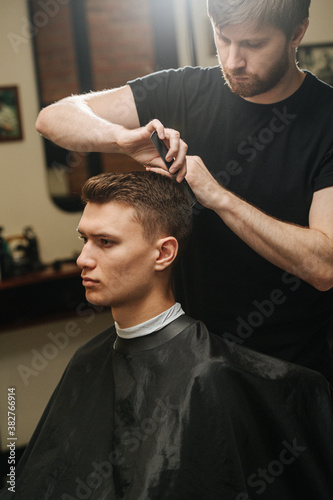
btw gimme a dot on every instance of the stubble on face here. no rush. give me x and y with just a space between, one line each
254 84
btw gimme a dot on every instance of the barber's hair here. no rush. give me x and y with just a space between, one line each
285 15
159 202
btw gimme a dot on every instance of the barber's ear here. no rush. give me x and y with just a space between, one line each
168 250
299 33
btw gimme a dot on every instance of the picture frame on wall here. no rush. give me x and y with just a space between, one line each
318 59
10 114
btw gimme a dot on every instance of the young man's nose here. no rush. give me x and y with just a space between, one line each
86 259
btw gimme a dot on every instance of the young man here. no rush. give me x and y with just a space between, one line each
260 138
155 407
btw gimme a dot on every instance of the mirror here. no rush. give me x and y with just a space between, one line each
84 45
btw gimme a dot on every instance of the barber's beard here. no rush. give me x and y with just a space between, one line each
256 85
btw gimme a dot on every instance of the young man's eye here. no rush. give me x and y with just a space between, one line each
106 243
83 238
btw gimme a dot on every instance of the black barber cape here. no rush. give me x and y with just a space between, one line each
192 418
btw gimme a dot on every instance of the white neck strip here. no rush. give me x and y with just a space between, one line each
152 325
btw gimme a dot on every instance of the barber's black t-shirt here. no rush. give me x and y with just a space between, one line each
275 157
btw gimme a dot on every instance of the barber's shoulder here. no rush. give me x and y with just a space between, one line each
206 75
180 76
320 91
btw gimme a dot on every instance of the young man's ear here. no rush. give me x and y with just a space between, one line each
299 33
168 250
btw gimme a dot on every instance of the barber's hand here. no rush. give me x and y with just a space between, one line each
206 189
137 144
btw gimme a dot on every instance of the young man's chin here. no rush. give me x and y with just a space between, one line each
93 299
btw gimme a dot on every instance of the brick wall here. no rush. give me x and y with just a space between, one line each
121 45
56 55
121 40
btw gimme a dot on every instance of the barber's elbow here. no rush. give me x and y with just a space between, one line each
324 286
42 122
322 281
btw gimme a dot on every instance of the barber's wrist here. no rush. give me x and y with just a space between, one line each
219 199
118 134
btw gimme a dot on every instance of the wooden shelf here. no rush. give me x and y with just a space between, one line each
47 274
40 296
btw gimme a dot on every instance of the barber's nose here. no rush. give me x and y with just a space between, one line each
86 259
235 59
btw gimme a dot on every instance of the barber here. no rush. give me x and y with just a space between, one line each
256 146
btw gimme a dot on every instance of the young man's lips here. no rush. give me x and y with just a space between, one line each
86 281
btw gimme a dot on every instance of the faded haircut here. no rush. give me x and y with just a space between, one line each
285 15
160 204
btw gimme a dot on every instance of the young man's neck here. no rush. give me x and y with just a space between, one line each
134 314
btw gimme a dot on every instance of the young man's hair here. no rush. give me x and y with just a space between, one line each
160 203
285 15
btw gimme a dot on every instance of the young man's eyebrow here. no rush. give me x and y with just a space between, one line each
97 235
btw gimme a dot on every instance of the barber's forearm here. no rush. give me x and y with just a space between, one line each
72 124
108 122
304 252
